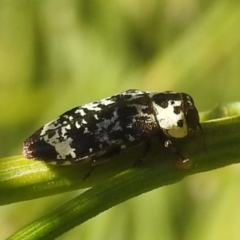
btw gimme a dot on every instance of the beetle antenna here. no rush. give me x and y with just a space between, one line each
203 136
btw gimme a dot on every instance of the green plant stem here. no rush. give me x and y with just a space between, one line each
223 148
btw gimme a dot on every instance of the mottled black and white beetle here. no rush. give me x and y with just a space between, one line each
96 131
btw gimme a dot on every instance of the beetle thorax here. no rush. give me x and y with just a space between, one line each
171 118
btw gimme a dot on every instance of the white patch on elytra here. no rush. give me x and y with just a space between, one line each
86 130
50 126
131 138
117 127
77 124
64 149
80 111
106 101
84 121
64 131
149 118
133 93
94 106
68 126
106 122
168 120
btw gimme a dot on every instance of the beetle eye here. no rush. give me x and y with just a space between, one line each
192 118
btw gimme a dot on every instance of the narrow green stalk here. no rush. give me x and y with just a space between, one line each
161 168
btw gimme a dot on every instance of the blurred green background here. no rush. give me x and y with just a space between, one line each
58 54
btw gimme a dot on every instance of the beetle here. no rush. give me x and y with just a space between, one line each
98 130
